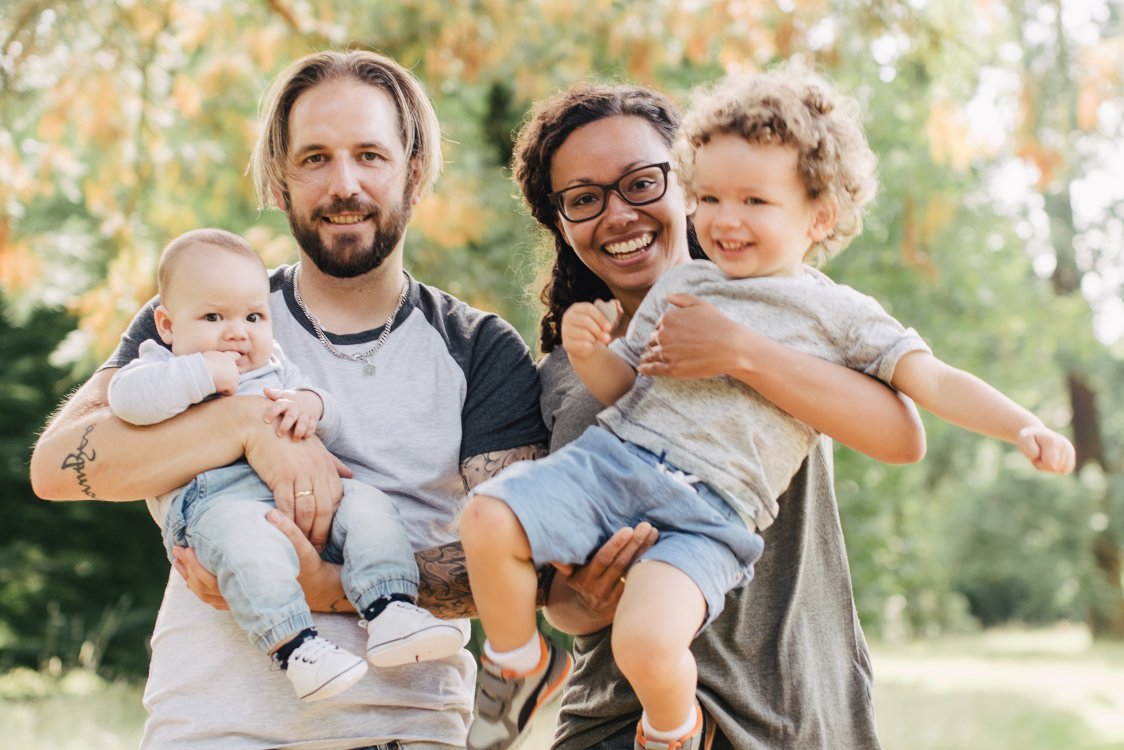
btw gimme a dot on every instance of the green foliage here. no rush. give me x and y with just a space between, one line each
123 124
79 583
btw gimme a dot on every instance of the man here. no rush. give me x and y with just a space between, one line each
437 397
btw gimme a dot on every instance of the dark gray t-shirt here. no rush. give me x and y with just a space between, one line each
785 665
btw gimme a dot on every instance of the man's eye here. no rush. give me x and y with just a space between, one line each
370 156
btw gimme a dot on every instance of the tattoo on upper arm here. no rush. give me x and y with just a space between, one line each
476 469
78 460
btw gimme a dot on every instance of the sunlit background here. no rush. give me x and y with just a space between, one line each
998 233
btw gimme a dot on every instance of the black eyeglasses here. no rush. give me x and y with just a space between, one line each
639 187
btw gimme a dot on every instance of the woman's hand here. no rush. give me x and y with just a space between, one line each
693 340
583 599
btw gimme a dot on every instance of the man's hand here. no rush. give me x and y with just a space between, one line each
304 478
201 582
319 579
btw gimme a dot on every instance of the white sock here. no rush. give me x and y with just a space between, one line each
520 660
652 733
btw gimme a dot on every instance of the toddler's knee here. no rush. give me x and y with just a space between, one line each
645 654
487 523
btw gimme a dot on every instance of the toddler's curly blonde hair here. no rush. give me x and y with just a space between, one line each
791 106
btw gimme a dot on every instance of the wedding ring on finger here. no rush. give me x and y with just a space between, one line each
303 493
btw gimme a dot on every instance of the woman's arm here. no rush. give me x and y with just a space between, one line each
696 340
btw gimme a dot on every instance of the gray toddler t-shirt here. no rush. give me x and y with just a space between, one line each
785 665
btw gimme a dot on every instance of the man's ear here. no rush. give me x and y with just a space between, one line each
415 182
825 215
163 324
279 198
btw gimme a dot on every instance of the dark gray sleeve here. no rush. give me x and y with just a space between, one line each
501 406
141 329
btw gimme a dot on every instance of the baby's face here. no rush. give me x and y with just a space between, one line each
753 217
219 301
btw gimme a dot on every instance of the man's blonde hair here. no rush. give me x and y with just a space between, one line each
417 121
791 106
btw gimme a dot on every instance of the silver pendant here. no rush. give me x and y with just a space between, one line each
368 370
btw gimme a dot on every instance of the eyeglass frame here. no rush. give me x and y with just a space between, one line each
555 198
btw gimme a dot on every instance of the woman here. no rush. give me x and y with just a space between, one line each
786 664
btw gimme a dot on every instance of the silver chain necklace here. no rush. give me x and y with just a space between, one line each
367 357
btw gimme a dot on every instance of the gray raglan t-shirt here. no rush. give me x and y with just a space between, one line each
451 382
785 665
722 430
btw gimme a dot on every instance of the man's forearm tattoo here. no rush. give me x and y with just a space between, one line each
444 588
78 460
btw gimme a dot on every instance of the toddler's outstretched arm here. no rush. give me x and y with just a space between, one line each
965 400
586 333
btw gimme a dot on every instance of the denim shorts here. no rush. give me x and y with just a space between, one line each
572 501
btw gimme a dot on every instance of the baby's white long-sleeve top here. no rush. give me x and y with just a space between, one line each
158 385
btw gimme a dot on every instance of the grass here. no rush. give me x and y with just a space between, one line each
999 690
78 711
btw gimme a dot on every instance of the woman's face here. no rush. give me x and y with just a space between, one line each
627 246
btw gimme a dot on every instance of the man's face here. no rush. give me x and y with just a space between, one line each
350 184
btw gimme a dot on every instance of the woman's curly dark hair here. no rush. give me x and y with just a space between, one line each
549 124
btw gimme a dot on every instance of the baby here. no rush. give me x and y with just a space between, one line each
214 314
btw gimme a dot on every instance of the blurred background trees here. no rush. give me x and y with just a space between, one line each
998 233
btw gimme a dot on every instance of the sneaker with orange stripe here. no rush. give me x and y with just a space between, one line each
506 701
692 741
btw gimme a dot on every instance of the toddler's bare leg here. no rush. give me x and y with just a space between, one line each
500 571
659 613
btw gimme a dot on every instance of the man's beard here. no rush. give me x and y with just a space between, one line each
347 258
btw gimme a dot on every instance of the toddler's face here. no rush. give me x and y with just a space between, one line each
219 301
753 216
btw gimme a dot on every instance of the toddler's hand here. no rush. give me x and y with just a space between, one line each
1047 450
584 328
224 371
298 412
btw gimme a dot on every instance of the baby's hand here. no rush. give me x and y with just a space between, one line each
224 371
298 412
1047 450
585 327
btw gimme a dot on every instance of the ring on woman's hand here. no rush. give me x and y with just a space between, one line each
623 580
303 493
